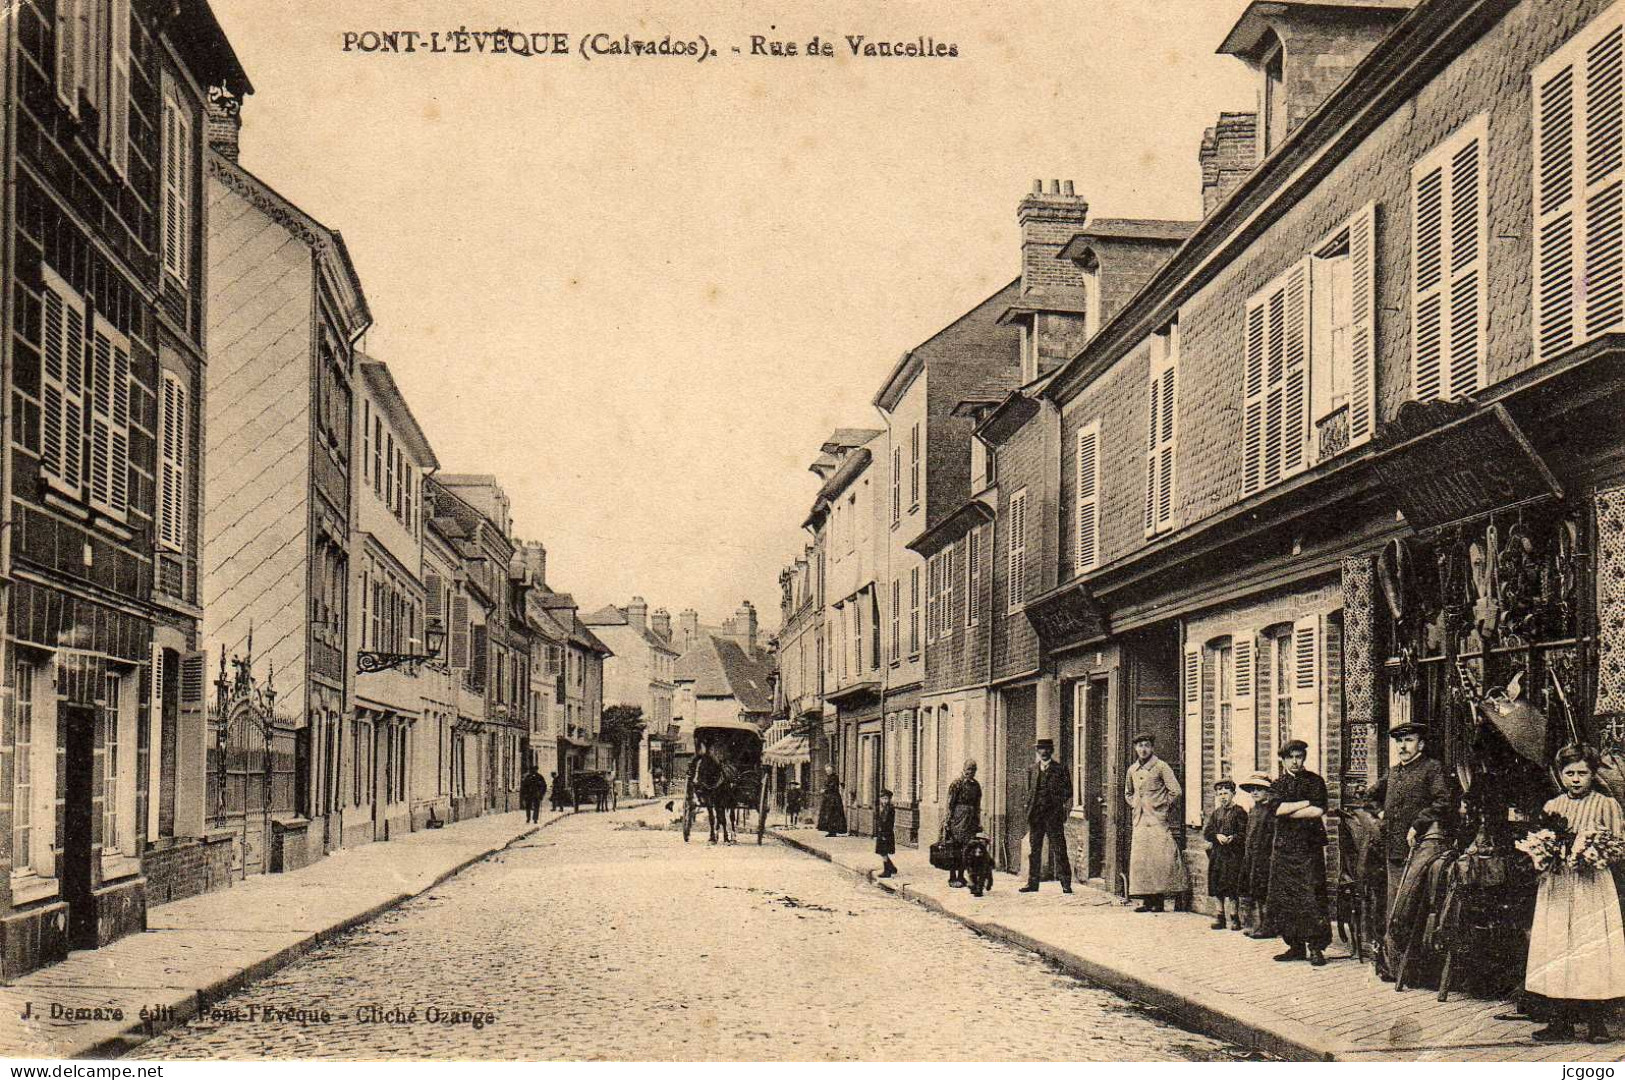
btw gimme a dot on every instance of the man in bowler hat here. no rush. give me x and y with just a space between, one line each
1417 799
1049 800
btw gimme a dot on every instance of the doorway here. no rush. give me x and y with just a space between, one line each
78 848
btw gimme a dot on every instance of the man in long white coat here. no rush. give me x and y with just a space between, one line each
1155 868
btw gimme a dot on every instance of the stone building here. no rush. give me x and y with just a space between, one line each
638 674
104 340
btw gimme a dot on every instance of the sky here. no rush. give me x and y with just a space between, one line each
642 291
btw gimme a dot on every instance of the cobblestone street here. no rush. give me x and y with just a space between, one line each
604 937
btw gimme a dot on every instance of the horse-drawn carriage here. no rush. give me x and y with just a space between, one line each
733 785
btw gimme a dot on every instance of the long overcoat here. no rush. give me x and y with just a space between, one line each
1154 864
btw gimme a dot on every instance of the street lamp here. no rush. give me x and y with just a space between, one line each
368 661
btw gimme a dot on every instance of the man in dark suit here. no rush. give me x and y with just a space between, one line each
1418 800
1049 801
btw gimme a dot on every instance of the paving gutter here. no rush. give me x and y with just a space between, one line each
189 1004
1198 1010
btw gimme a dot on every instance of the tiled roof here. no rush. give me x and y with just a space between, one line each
608 615
720 667
1139 228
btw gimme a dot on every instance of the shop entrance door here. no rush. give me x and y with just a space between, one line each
78 881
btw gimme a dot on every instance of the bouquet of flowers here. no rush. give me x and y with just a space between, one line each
1550 845
1597 849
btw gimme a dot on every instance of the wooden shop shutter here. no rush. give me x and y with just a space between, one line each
1087 555
1447 275
1191 696
1306 685
1243 710
1275 381
1578 169
1363 329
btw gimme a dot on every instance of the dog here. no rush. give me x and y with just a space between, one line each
979 865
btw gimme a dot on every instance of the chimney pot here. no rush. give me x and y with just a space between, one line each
1069 190
1038 187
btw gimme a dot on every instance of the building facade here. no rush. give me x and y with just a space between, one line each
104 343
638 675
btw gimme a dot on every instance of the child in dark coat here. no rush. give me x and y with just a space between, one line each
1226 835
886 833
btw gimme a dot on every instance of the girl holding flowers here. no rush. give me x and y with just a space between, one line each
1577 942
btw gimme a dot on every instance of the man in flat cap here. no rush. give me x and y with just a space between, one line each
1049 800
1296 906
1417 799
1155 868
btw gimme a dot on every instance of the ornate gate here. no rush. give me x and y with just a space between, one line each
251 764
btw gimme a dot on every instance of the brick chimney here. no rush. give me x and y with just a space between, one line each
535 556
688 629
1229 153
224 122
1048 220
660 623
637 613
742 627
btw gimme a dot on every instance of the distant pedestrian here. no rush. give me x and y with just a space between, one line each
1155 868
1226 836
793 799
558 793
1297 900
886 833
964 820
1260 846
532 788
1049 801
831 810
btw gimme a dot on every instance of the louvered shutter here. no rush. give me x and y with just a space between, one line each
1159 469
1252 443
119 481
1243 713
479 649
1191 696
1153 427
459 631
1165 451
914 611
1018 549
950 589
1362 326
55 334
1306 685
1448 252
172 465
155 739
1087 555
67 53
101 417
1295 377
973 577
1578 174
897 619
433 612
172 189
933 566
118 87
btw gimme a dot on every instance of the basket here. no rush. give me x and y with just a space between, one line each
946 856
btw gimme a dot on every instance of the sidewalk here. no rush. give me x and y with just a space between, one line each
1221 983
198 950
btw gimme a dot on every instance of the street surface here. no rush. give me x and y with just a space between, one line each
605 937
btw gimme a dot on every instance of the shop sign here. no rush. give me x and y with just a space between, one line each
1465 468
1067 618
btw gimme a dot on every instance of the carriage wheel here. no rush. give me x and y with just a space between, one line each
688 814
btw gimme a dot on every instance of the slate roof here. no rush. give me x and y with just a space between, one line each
720 667
610 615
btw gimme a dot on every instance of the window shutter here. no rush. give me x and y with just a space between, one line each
118 100
101 416
172 185
67 53
914 610
459 631
1447 286
54 348
914 466
1362 329
1243 724
155 741
1252 443
896 483
1165 463
1159 471
973 577
172 451
432 599
1088 545
897 618
1578 174
1295 378
119 494
1018 550
932 566
950 589
1151 455
1191 695
1306 685
478 659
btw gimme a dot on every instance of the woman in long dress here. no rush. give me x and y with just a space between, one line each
831 810
964 818
1577 941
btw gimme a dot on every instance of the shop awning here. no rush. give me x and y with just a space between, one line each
790 750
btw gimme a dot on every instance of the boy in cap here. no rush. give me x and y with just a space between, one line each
886 833
1226 836
1256 858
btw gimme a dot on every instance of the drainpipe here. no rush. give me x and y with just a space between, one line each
885 665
